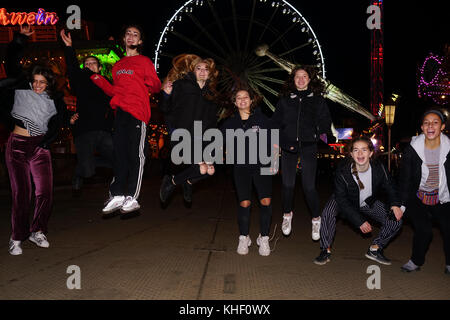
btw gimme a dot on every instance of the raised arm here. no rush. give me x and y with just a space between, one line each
15 52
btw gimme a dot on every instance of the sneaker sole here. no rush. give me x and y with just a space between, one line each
315 239
322 263
130 210
106 212
36 243
15 253
374 259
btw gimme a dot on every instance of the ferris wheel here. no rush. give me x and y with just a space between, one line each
229 31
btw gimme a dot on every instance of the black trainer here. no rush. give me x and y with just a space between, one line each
187 192
323 257
378 256
167 188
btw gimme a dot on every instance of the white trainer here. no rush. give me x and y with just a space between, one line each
316 229
286 226
39 239
264 247
114 204
15 248
244 243
129 205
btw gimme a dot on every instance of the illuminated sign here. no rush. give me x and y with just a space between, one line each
32 18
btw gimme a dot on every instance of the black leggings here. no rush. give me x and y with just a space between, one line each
191 173
421 216
244 179
308 162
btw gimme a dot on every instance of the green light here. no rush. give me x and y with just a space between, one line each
107 61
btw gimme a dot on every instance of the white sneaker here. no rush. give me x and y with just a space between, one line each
39 239
316 229
15 248
263 243
114 204
244 243
286 225
129 205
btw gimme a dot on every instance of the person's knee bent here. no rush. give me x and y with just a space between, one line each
245 203
265 201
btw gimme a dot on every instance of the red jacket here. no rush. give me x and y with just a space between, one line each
134 78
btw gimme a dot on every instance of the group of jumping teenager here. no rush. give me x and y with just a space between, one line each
363 189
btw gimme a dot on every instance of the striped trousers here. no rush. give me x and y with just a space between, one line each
130 144
377 212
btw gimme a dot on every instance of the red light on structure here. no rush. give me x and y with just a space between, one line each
39 18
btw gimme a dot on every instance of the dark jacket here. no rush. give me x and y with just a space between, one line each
187 104
301 119
16 80
411 171
256 121
346 190
92 103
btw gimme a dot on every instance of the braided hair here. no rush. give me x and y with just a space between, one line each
353 165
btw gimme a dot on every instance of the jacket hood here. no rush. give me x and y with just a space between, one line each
418 144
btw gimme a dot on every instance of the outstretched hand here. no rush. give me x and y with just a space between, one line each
67 39
26 30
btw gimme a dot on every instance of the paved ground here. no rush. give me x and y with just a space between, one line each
190 254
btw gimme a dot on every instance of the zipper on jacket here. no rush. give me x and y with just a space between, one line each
298 116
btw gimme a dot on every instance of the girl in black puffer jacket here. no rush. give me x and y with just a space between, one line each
188 95
358 184
302 116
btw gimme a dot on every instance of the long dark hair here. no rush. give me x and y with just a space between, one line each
316 85
350 149
48 74
251 93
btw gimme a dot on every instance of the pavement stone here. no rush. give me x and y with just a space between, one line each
178 253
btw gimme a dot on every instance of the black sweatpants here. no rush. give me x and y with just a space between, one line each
422 216
129 140
308 161
244 179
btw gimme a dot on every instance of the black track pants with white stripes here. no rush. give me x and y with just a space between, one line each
377 212
129 139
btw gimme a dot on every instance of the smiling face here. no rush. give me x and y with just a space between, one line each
243 100
301 80
361 153
201 72
132 37
39 83
432 126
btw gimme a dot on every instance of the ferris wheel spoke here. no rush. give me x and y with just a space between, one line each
260 64
270 79
266 101
267 70
219 23
294 49
236 32
282 35
207 34
197 45
266 26
250 25
264 86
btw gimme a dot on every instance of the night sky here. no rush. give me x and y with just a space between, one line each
411 31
